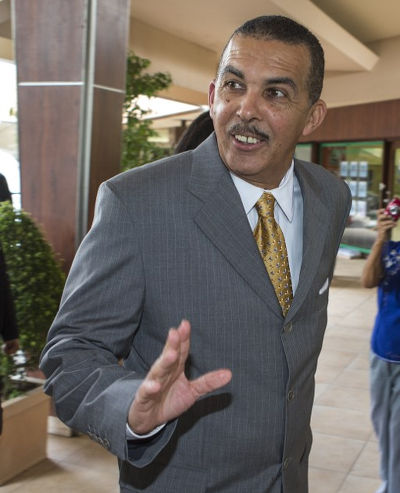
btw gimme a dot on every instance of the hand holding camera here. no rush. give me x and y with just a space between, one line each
393 209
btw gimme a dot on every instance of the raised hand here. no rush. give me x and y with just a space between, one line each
384 224
166 393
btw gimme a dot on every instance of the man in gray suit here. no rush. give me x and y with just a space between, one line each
172 245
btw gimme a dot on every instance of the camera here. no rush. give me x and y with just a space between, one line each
393 209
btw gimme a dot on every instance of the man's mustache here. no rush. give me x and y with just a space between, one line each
246 129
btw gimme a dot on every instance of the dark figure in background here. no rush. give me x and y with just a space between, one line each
5 193
198 130
172 245
382 269
8 326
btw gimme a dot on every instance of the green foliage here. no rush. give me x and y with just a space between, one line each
36 278
137 148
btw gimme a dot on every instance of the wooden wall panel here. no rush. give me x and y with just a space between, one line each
51 48
360 122
106 140
111 42
58 120
49 146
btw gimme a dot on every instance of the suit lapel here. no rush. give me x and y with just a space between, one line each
315 227
222 219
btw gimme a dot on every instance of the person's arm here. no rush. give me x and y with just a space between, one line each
100 312
373 270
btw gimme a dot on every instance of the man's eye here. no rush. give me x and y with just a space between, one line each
233 84
275 93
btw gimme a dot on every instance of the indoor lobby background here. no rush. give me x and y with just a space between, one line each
60 137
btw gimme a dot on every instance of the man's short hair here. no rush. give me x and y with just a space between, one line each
280 28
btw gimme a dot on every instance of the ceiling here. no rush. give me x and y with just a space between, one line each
345 27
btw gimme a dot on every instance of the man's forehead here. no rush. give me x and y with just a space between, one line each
276 51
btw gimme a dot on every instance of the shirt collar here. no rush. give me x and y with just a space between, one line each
283 193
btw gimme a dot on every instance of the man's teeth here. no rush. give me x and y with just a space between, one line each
246 140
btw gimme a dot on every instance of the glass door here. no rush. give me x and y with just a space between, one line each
360 164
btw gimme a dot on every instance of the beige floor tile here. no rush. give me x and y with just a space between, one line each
345 266
335 358
327 374
345 330
94 457
344 397
341 422
320 389
322 480
353 378
361 362
333 319
342 305
356 484
63 477
367 465
351 344
373 437
334 453
59 447
359 320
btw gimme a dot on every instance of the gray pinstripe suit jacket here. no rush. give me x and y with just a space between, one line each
171 240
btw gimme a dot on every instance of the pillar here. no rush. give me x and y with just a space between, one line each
71 64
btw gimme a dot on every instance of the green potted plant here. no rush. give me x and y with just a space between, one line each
137 145
36 280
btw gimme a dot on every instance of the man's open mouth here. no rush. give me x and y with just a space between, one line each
246 139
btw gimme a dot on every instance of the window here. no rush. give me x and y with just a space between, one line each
303 152
360 164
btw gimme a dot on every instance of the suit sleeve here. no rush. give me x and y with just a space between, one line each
99 313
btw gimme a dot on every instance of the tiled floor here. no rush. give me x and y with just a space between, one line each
344 457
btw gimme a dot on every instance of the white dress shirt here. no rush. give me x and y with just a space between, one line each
288 214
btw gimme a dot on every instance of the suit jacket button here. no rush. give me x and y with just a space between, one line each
286 463
288 328
290 395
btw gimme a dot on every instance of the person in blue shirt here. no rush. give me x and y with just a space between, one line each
382 269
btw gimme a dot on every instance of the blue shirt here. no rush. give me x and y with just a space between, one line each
385 341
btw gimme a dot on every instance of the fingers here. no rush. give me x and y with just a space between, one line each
166 393
385 222
175 352
211 381
169 365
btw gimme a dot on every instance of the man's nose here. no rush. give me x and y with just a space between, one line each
249 107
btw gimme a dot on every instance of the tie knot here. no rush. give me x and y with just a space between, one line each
265 205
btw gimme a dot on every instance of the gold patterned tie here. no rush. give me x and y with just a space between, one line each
272 246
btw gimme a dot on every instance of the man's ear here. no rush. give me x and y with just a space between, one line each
211 93
316 116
